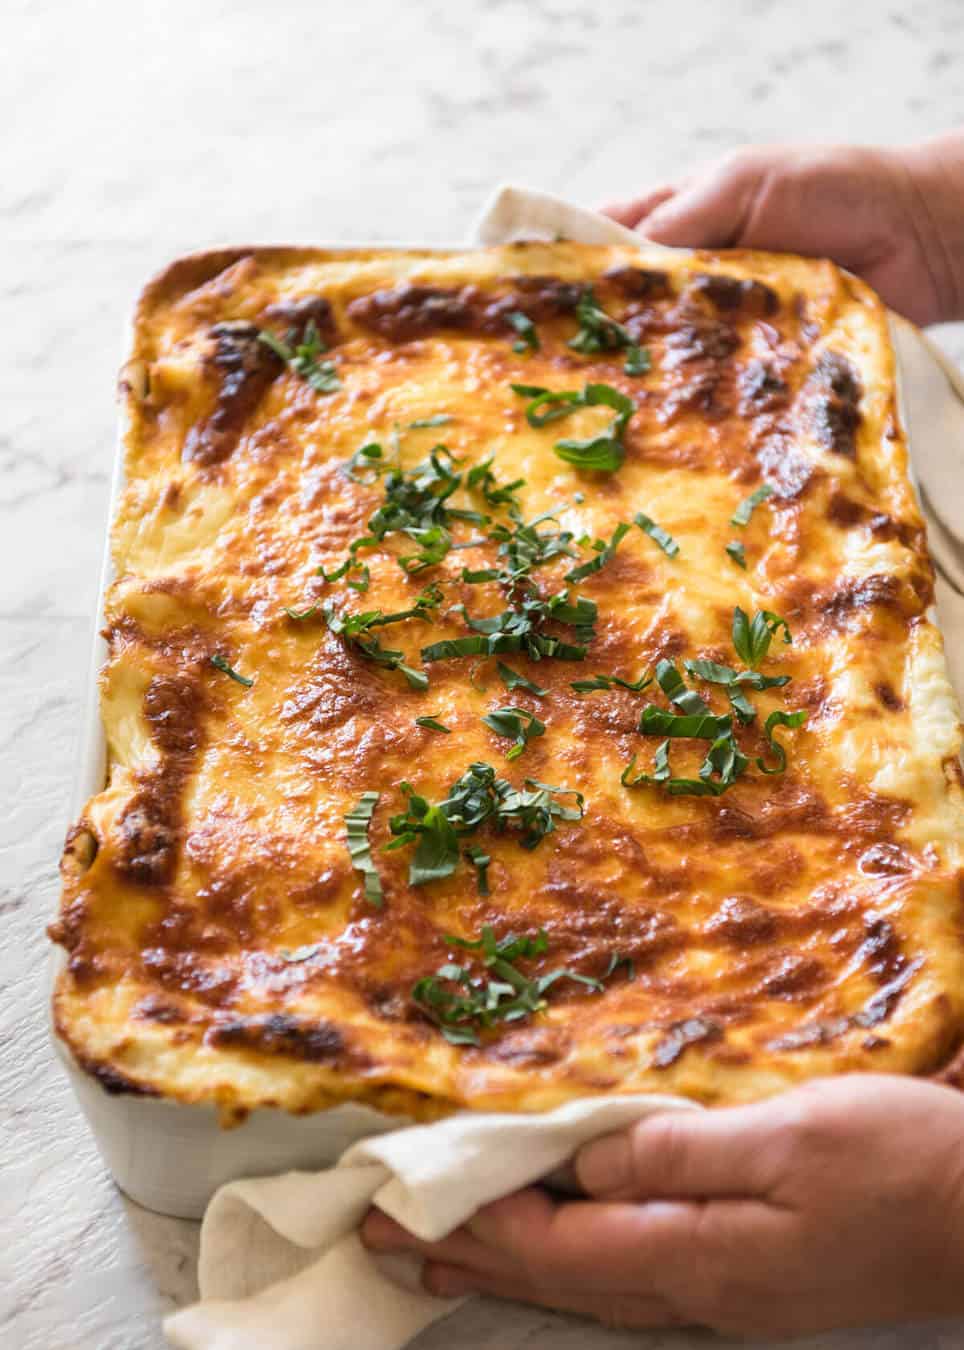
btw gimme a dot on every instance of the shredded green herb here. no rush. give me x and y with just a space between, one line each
778 719
603 453
736 551
518 724
612 681
656 532
432 724
219 663
528 339
479 797
302 358
752 638
356 823
604 554
462 1001
513 680
741 516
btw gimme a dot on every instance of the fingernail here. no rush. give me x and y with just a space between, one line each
605 1164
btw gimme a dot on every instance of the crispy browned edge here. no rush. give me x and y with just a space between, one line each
185 274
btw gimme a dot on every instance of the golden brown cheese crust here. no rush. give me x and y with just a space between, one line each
800 924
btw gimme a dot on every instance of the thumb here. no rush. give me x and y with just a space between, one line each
712 208
678 1154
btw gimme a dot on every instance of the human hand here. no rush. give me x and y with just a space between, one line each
840 1203
894 217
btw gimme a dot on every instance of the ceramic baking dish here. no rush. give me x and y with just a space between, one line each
171 1157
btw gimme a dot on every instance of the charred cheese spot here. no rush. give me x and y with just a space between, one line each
220 947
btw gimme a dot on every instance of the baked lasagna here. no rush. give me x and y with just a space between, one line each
521 684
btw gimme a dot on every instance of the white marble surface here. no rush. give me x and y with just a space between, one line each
133 131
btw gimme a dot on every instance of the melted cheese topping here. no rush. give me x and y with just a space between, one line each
803 923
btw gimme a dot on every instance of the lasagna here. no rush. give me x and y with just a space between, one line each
521 684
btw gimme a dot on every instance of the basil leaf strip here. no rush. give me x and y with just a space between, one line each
502 994
219 663
357 822
480 860
303 358
528 339
778 719
655 721
609 681
513 680
741 516
752 638
638 360
518 724
432 724
736 552
671 682
604 554
656 532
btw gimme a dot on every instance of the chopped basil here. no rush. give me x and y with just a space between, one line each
303 358
609 681
357 822
656 532
752 638
300 614
602 453
673 686
437 851
736 552
604 554
480 478
432 724
480 860
778 719
598 331
520 629
723 758
473 578
219 663
502 994
368 456
707 726
363 579
616 960
518 724
528 339
476 798
742 514
336 573
547 405
638 360
355 630
513 680
733 682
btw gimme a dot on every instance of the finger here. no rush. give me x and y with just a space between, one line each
629 212
675 1154
711 210
620 1310
597 1248
381 1234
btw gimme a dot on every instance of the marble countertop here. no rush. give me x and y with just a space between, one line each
133 132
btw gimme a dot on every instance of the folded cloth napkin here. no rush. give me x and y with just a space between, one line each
281 1265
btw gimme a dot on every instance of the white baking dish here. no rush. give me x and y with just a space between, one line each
171 1157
